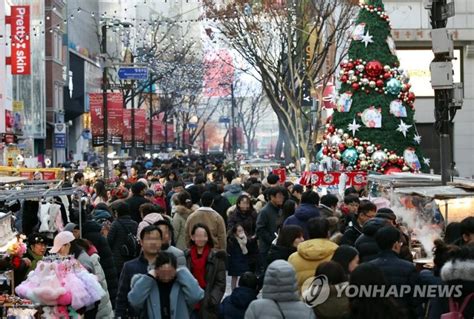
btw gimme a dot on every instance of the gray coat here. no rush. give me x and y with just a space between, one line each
185 293
279 286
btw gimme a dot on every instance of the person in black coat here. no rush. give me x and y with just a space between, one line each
366 244
398 272
91 231
287 243
459 270
137 199
119 230
221 204
365 212
235 305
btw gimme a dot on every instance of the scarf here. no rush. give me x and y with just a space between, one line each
198 265
242 243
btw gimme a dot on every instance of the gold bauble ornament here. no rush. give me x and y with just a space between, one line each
393 158
362 157
364 164
405 168
349 142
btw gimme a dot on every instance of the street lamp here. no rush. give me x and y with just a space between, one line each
105 84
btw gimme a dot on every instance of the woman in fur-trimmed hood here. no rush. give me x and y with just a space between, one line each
459 270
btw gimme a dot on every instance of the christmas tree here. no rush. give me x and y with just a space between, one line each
373 127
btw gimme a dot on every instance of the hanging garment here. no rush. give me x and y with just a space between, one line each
30 216
55 222
43 216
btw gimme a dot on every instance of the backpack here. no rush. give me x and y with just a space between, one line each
130 248
454 311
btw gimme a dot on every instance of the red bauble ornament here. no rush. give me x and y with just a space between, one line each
379 83
331 129
356 141
373 68
342 147
411 96
350 65
401 162
325 151
387 75
344 79
355 86
392 169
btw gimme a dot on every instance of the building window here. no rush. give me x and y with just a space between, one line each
57 46
58 96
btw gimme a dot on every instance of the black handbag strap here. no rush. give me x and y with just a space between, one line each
279 309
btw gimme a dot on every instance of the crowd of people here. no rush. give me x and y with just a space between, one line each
163 241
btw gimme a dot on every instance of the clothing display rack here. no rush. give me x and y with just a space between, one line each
38 192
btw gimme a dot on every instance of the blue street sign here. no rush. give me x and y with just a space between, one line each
224 119
133 73
59 140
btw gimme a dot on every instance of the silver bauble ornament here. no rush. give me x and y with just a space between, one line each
360 149
334 141
345 136
372 84
387 68
379 157
362 157
340 132
370 149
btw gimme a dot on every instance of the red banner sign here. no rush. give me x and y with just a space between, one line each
20 32
115 125
115 117
333 178
127 126
97 118
140 124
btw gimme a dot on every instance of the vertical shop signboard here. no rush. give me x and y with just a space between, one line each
20 40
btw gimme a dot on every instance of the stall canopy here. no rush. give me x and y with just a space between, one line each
436 192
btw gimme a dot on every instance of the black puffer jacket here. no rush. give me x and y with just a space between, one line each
117 237
91 231
365 244
279 252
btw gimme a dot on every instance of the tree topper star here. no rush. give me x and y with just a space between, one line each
367 38
417 139
403 128
353 127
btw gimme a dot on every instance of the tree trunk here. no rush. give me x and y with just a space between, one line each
249 146
279 144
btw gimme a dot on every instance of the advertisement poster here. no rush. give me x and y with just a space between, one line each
8 121
18 117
